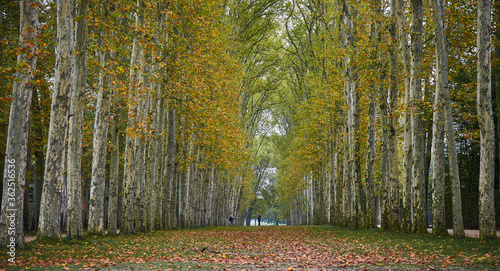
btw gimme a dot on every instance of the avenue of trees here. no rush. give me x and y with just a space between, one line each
133 115
377 89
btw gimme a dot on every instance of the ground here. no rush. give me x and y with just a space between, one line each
259 248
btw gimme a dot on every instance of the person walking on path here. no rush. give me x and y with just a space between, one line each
231 220
259 219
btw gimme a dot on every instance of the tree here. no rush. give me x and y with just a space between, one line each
130 172
96 202
443 120
408 146
393 214
485 116
418 149
75 222
49 226
14 178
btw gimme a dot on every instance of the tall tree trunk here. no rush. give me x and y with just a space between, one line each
209 197
140 193
97 185
114 170
392 122
485 116
408 146
338 184
419 224
442 84
371 212
152 166
438 169
346 186
185 187
160 154
130 175
14 177
49 226
38 183
384 152
353 117
74 211
427 166
170 191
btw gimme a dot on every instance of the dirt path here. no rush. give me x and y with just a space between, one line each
468 233
261 248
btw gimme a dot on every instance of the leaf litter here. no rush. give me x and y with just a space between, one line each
253 248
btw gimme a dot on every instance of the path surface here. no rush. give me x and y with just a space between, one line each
468 233
261 248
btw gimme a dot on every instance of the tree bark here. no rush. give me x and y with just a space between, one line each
49 224
130 175
384 152
97 185
114 171
159 187
408 146
371 212
442 89
74 211
419 224
392 122
485 116
14 177
140 193
438 169
170 190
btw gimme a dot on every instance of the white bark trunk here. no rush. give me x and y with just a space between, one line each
97 185
485 117
14 178
49 224
74 211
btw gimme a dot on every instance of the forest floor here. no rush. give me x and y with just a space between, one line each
259 248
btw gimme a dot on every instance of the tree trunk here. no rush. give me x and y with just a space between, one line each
160 154
114 171
140 193
442 89
170 191
130 175
418 185
485 116
185 187
392 123
49 225
97 185
384 153
408 146
371 212
209 197
75 221
438 169
427 167
14 177
152 164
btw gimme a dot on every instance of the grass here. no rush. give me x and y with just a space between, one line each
275 247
